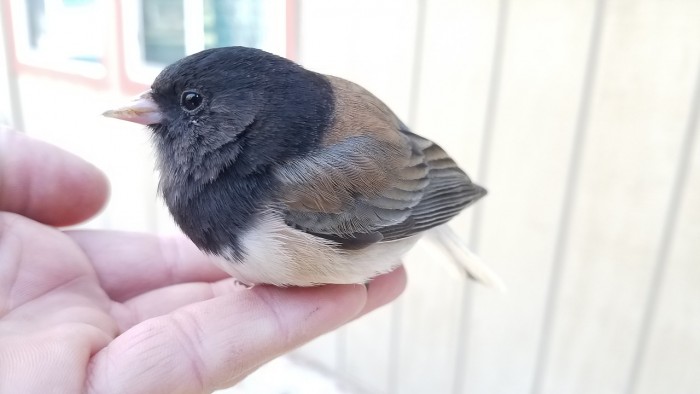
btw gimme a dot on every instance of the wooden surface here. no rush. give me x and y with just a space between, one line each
580 117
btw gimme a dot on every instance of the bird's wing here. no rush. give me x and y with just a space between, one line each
363 190
448 191
372 179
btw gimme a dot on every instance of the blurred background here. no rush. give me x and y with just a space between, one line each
579 116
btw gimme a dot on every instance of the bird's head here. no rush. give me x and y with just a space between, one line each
233 108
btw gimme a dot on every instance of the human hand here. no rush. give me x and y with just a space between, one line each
107 311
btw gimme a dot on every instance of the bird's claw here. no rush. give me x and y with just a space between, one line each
245 285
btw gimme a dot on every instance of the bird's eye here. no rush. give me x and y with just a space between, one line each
191 100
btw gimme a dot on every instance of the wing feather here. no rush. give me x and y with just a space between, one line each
415 198
372 179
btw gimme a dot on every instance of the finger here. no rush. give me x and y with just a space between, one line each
49 360
384 288
161 301
47 184
128 264
164 300
37 265
215 343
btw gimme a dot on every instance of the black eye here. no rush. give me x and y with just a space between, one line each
191 100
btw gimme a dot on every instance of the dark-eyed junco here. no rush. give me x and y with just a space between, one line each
294 177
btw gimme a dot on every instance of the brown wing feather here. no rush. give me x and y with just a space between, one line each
448 192
373 179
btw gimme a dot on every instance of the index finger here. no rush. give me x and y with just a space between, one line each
46 183
216 343
128 264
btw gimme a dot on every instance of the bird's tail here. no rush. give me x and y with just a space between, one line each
465 260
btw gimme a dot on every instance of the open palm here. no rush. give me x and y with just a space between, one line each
105 311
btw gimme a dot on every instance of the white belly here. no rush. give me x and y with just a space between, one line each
281 255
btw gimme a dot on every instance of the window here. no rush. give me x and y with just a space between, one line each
61 35
158 32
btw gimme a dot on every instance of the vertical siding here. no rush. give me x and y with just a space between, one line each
638 117
670 332
575 115
546 51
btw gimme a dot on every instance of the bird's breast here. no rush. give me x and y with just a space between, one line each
273 252
214 215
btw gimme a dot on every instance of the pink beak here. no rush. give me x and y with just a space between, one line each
142 110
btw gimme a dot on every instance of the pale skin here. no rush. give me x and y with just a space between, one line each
107 311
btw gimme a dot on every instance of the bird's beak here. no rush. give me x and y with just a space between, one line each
142 110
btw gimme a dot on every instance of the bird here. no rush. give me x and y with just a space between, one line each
290 177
